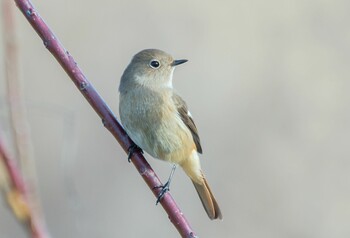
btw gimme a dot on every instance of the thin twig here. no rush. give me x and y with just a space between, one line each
17 196
109 121
21 193
17 111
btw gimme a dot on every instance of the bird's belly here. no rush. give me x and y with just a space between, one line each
175 144
168 140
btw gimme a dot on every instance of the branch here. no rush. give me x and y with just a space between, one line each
17 195
108 119
20 192
18 116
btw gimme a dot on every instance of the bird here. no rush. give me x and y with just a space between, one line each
157 119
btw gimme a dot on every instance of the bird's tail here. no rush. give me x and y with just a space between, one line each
208 200
192 168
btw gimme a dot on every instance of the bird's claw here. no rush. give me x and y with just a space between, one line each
132 149
164 189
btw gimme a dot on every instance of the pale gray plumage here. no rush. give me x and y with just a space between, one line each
158 121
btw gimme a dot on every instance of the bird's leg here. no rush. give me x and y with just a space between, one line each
166 187
132 149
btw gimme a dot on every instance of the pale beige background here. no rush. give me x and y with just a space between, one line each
267 83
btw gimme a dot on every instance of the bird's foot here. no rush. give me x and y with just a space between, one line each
132 149
164 189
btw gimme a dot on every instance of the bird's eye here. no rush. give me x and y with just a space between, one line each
154 64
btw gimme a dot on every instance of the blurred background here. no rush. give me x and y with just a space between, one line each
267 83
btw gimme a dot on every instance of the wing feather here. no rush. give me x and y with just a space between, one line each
188 120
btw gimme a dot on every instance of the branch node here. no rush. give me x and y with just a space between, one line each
192 235
46 43
30 12
83 86
104 122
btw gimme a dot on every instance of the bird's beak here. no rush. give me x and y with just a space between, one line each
177 62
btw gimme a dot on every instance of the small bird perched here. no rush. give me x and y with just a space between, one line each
158 121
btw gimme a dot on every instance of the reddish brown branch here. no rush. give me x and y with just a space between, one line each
20 192
18 116
17 196
109 121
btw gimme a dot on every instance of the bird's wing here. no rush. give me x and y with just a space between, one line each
187 119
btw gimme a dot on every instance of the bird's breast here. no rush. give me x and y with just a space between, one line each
152 121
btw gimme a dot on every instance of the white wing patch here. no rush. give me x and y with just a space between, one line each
189 114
